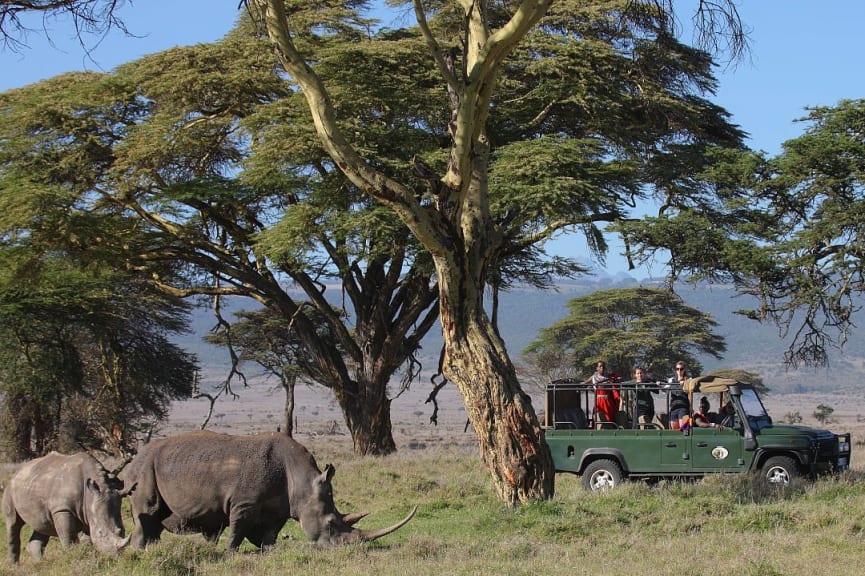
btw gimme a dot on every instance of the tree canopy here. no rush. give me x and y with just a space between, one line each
470 48
85 355
211 154
627 327
786 230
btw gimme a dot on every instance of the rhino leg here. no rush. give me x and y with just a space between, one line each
263 536
235 536
36 545
268 540
13 538
67 527
212 536
242 522
148 530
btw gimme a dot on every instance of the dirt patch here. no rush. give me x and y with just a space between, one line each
318 419
259 408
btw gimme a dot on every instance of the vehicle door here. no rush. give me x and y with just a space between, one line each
675 451
716 450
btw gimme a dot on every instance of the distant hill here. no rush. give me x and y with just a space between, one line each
524 311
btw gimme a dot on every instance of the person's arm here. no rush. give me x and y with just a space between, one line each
703 422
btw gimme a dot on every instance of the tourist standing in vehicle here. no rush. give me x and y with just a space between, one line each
606 395
645 402
680 406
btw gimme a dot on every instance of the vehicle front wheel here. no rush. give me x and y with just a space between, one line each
780 470
602 475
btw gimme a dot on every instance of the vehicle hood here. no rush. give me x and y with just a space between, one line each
794 430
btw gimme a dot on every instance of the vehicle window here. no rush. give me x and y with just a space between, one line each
754 408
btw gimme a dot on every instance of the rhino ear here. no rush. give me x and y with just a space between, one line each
93 486
128 491
328 473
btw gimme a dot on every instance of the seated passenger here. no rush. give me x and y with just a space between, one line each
571 418
728 415
701 418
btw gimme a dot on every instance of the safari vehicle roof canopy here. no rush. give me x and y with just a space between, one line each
708 384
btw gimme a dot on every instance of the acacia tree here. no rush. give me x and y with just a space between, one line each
625 327
814 239
558 171
89 17
214 156
86 358
261 337
786 230
162 145
453 220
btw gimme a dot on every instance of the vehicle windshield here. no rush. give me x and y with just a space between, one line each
754 408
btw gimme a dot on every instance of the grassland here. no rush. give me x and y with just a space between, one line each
721 525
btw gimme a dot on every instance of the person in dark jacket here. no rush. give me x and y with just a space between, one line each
645 402
680 406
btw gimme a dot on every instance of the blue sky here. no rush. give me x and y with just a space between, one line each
803 53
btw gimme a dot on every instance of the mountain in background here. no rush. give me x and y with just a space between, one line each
524 311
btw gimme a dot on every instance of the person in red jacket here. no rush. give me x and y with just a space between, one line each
606 395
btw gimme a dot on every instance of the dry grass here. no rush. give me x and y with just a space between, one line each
728 525
721 524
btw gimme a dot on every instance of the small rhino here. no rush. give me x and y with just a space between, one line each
62 496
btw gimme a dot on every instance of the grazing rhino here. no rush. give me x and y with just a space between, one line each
205 482
60 495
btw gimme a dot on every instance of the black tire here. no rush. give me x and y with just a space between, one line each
780 470
602 475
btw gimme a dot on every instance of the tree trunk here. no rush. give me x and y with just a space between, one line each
288 382
367 415
462 239
17 427
509 434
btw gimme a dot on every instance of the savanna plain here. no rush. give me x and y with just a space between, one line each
719 525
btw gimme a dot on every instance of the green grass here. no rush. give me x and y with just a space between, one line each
724 525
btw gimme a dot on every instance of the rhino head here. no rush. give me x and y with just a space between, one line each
326 526
102 506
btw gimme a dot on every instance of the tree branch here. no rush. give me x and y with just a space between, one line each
391 193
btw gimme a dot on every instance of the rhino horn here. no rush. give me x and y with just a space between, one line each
351 519
123 543
368 536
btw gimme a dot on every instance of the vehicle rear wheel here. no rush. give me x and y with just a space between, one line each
602 475
780 470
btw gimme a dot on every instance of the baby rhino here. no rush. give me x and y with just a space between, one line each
59 495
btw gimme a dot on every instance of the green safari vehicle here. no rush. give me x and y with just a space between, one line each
605 454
